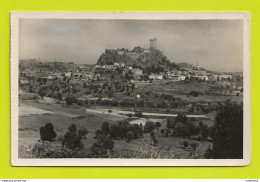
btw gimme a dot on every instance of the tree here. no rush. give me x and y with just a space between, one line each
149 126
105 128
129 136
59 96
110 94
169 124
138 114
42 92
47 132
103 147
158 125
228 142
194 145
130 115
185 144
71 139
162 131
70 99
154 139
204 131
181 118
110 111
83 132
72 128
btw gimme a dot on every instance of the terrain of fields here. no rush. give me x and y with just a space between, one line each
34 113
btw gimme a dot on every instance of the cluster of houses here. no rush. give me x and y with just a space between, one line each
89 72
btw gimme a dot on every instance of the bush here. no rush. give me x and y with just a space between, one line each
47 132
129 136
46 150
185 144
194 145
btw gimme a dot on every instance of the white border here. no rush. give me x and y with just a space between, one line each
15 16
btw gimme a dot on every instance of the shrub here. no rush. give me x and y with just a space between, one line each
138 131
185 144
154 139
103 147
169 124
138 114
158 125
129 136
47 132
204 131
72 128
70 100
115 131
181 119
42 92
181 130
98 133
46 150
194 145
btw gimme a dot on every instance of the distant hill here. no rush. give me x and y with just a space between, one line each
45 66
138 57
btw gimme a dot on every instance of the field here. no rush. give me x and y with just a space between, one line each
34 113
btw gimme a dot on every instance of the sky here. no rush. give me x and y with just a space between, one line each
213 44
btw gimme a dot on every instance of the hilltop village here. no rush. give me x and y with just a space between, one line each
122 75
130 104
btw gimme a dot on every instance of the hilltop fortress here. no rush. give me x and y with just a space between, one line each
138 56
136 52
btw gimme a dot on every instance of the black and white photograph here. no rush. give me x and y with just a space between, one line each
130 89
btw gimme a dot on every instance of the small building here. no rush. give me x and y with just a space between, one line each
155 76
129 67
182 77
202 78
23 80
138 96
137 72
224 77
68 74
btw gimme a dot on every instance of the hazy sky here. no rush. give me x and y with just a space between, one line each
214 44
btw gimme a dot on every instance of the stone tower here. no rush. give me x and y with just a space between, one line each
153 43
